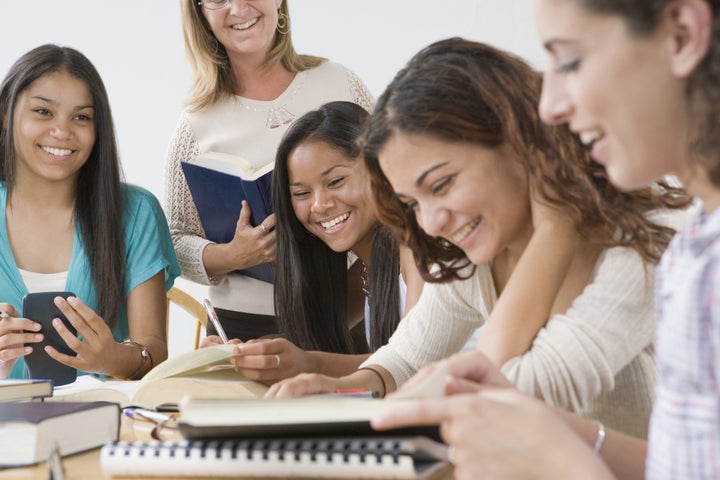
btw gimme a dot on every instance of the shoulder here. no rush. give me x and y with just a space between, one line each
329 70
138 200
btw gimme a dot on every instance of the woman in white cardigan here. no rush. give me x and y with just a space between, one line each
516 228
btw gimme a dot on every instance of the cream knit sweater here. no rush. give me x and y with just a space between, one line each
596 359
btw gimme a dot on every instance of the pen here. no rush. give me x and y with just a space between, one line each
138 413
356 392
214 319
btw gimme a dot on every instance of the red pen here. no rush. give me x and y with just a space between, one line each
356 392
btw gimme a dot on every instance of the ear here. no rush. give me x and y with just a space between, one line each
690 23
278 3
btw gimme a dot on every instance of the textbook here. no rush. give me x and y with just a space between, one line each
205 371
23 390
311 415
218 183
331 457
31 431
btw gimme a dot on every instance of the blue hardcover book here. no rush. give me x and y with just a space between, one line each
218 184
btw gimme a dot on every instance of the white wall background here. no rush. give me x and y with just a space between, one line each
138 49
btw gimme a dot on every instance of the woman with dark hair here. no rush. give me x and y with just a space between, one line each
513 226
249 84
639 82
324 222
67 222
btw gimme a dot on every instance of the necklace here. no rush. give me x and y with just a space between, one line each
365 285
279 115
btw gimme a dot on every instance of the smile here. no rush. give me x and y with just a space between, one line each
589 137
335 222
60 152
246 25
460 235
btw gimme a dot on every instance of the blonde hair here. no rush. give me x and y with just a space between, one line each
213 79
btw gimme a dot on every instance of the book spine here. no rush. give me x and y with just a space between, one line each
280 458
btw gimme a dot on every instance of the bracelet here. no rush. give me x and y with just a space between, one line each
377 372
600 437
145 355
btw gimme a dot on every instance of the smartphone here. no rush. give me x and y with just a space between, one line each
40 308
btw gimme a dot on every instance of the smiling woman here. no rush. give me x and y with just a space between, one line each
517 228
63 207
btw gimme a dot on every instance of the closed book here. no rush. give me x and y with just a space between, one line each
22 390
31 431
206 371
218 183
329 457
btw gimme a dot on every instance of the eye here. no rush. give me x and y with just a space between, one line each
300 193
83 117
442 184
336 182
569 66
42 111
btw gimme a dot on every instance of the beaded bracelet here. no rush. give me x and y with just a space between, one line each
600 437
377 372
145 355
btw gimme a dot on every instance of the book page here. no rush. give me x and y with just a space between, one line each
191 362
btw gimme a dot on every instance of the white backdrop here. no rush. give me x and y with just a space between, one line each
138 49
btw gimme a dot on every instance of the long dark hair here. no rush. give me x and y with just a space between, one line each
462 91
310 278
98 197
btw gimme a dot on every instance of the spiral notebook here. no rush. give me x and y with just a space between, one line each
329 457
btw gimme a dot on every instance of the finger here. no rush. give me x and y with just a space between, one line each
18 324
7 310
210 340
477 367
244 218
72 341
456 386
425 413
16 339
13 352
73 310
69 360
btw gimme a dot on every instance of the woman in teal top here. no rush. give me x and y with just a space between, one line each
68 222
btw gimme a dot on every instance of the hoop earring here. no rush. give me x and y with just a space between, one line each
282 27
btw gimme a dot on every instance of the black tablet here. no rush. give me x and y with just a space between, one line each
39 307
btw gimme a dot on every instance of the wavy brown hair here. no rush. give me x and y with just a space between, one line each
213 78
457 90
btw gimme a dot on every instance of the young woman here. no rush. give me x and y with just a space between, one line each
515 225
329 315
67 222
638 81
249 84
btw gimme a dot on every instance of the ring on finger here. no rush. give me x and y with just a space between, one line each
263 228
277 360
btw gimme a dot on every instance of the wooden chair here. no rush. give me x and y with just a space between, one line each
191 306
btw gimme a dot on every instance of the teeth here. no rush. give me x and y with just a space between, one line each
588 137
464 232
335 221
61 152
246 25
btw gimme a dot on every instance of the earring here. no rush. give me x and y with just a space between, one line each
282 23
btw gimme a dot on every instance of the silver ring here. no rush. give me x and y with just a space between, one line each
277 360
264 228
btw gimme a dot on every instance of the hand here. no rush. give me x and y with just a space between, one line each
13 337
464 372
96 350
211 340
546 215
501 433
271 359
252 245
305 384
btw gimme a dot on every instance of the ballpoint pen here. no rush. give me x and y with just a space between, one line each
138 413
214 319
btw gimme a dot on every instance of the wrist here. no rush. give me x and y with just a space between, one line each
145 360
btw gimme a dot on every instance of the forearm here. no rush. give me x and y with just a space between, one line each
373 378
525 303
128 361
335 364
625 455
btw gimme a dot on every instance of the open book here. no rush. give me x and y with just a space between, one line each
205 371
218 183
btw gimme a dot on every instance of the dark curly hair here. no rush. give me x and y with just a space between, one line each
457 90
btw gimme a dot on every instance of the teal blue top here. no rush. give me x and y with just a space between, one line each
148 250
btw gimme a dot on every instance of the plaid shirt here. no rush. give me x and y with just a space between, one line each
684 438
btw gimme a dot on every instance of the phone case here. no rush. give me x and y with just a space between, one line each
39 307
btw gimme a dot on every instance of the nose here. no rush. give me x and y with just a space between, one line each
322 201
433 218
61 129
555 105
237 7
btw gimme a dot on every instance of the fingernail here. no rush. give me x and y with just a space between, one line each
28 350
73 300
38 337
56 322
37 327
